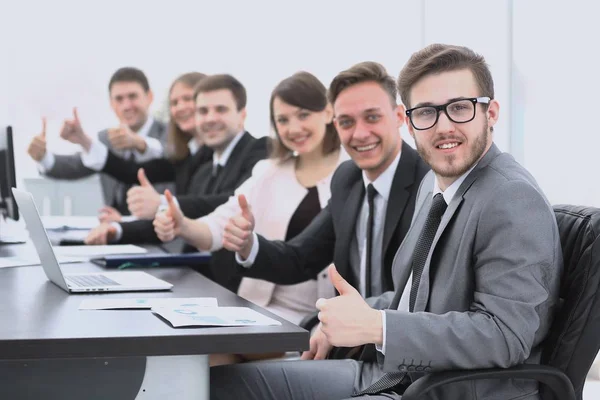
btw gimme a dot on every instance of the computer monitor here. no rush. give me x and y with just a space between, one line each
8 206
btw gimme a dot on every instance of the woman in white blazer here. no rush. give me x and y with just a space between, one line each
285 192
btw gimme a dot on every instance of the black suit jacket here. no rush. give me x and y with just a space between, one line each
329 236
159 169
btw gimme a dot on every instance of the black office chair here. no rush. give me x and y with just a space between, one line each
574 338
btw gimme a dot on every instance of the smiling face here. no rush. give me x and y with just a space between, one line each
369 126
131 103
450 148
300 130
218 119
182 107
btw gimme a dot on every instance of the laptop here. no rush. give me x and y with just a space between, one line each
122 281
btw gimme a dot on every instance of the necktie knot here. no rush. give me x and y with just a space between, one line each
371 193
438 206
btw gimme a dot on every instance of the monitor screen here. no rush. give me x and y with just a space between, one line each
8 180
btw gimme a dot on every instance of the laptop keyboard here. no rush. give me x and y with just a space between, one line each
90 280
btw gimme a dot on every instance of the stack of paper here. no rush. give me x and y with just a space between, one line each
96 251
214 316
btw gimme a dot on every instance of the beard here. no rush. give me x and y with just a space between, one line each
451 166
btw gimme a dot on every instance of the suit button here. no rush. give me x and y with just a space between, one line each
402 368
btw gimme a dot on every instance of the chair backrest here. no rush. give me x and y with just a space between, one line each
574 337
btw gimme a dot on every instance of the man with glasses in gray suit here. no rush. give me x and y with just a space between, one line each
476 278
138 136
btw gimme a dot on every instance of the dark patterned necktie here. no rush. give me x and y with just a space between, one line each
371 192
438 206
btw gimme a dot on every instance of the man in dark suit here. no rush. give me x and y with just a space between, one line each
138 136
221 113
476 278
369 131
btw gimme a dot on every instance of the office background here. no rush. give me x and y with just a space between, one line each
60 54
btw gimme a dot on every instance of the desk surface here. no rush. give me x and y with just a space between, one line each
40 320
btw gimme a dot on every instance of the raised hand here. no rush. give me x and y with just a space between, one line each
37 146
347 320
123 138
143 201
168 223
237 234
109 214
73 132
102 234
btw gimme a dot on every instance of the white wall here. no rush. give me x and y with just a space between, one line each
61 54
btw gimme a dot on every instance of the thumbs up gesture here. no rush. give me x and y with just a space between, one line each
168 223
238 231
37 146
347 320
73 132
123 138
143 201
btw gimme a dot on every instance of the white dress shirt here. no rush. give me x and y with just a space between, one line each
404 303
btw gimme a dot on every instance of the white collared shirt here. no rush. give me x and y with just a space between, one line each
383 186
224 156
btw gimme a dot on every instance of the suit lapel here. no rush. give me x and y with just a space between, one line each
424 284
404 177
232 165
348 224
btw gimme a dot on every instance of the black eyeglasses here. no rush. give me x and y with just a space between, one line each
458 111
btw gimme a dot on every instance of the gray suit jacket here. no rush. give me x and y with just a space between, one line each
489 287
70 167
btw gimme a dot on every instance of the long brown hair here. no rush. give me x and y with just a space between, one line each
305 91
177 140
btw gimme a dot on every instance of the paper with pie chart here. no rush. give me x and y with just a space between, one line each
213 316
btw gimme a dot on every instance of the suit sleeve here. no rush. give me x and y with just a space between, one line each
140 231
69 167
516 268
194 206
298 260
156 170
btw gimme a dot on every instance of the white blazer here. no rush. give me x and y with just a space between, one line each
274 194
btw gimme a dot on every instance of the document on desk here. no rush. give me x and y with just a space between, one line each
16 261
213 316
146 303
98 251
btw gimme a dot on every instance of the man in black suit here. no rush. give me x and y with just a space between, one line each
220 116
368 120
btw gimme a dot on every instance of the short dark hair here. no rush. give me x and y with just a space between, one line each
438 58
223 81
305 91
129 74
367 71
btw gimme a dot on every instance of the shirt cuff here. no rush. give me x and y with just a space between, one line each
252 257
119 233
216 232
96 157
154 149
381 348
46 163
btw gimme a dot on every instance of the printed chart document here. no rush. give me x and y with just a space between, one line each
146 303
96 251
213 316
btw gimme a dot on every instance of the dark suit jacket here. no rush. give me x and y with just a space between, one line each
70 167
158 170
201 200
329 236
